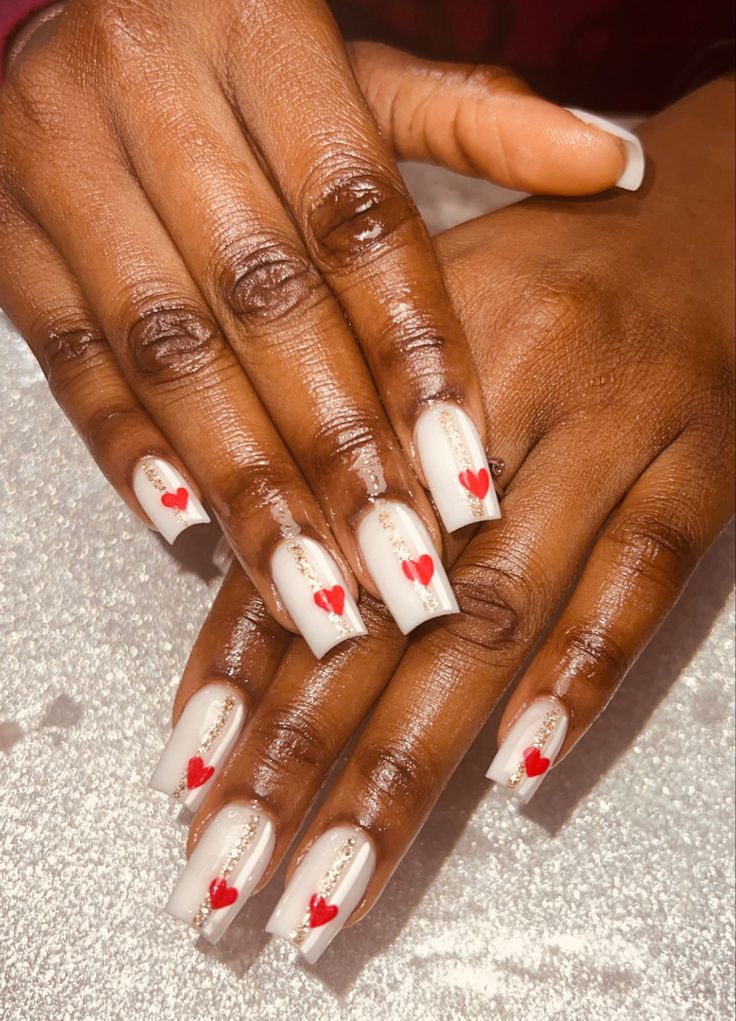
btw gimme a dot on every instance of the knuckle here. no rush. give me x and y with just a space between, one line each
355 216
267 283
108 426
411 341
346 439
499 609
652 544
563 300
394 772
291 741
593 654
253 482
70 351
171 343
121 28
32 105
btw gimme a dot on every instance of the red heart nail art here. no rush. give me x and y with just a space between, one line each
197 772
177 500
534 764
476 483
222 895
320 912
420 570
331 599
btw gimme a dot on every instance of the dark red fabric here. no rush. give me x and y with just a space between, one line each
610 54
12 14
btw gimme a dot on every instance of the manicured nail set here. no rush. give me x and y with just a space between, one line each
396 548
236 847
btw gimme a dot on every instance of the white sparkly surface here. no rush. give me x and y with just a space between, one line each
610 896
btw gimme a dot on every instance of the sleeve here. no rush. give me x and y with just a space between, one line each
12 15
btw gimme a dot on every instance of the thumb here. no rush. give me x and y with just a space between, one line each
485 122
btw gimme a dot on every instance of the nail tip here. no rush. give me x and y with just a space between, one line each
633 174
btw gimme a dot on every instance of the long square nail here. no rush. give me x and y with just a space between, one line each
315 593
324 891
530 747
225 867
166 498
199 744
456 467
404 565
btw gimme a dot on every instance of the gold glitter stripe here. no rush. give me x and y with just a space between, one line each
541 737
160 486
233 857
326 887
463 462
207 741
309 574
402 552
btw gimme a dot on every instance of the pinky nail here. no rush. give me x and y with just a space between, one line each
324 891
225 867
633 173
455 466
530 748
166 498
199 744
316 595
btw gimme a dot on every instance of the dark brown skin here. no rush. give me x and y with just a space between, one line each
191 195
603 333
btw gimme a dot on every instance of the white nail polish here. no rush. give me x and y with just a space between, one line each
633 173
325 890
222 556
225 867
455 466
166 498
404 565
315 593
530 748
199 744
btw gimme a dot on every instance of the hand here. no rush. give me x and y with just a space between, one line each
608 380
192 201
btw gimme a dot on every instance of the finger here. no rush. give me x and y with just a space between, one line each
298 731
633 578
49 310
293 740
232 663
176 360
363 233
486 122
509 581
292 338
258 802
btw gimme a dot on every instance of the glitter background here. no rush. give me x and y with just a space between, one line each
610 896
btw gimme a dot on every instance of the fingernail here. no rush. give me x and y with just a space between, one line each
199 744
166 498
325 890
455 466
315 593
404 565
530 748
222 556
633 173
223 870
